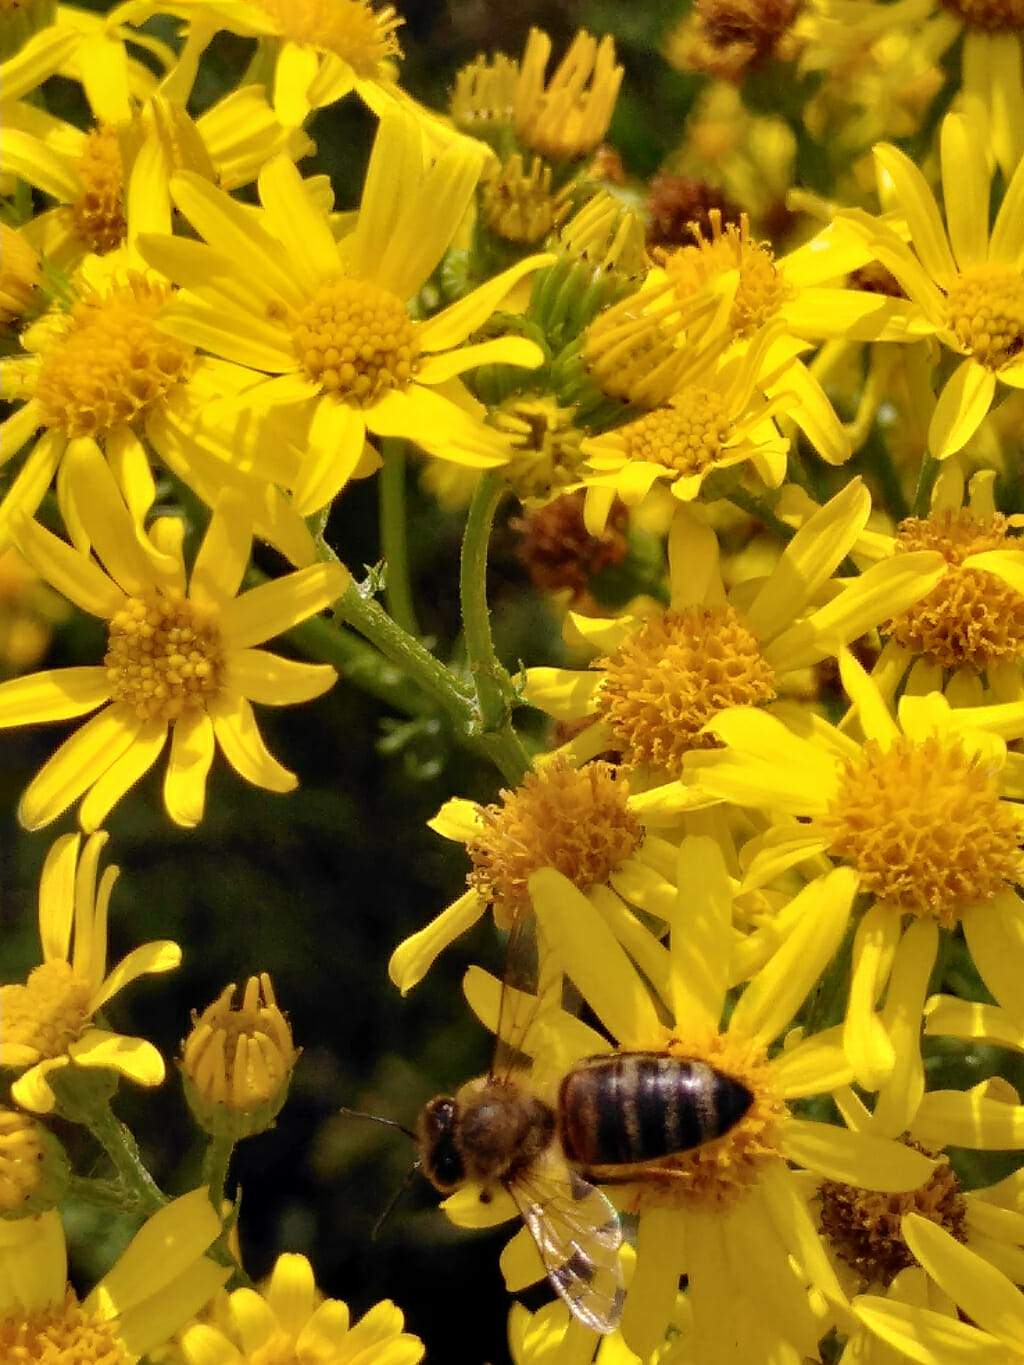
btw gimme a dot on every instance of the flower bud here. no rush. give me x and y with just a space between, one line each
237 1063
34 1170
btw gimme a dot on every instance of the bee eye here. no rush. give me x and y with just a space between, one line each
442 1155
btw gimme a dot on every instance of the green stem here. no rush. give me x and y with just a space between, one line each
119 1144
359 663
925 483
755 507
394 536
216 1160
493 685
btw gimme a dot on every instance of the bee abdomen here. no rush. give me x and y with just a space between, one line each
625 1108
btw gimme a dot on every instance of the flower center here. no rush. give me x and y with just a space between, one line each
356 340
61 1334
349 28
761 291
924 825
98 214
571 819
970 618
863 1226
112 363
687 437
985 310
558 551
22 1157
989 14
48 1011
672 675
545 445
519 206
163 657
718 1173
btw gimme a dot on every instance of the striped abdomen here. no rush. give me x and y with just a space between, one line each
626 1108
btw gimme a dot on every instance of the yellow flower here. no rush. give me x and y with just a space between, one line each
579 821
275 293
565 117
966 282
664 676
179 660
714 423
727 1213
325 48
29 612
289 1320
918 809
48 1022
159 1281
102 376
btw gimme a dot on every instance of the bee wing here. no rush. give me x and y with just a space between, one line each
578 1235
532 985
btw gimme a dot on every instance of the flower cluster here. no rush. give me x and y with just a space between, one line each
749 747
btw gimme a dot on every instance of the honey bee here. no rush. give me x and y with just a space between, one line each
615 1117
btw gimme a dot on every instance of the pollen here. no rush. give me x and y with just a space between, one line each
98 213
672 675
990 15
164 657
518 204
356 340
687 437
61 1334
761 291
22 1159
48 1012
20 273
985 311
863 1226
545 444
716 1174
970 619
567 117
923 823
111 364
361 36
574 820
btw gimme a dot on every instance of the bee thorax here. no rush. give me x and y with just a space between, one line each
501 1129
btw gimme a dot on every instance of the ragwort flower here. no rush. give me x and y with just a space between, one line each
918 808
159 1281
48 1021
290 1320
275 293
180 660
967 282
664 676
727 1214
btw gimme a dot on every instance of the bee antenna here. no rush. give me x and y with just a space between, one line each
390 1206
376 1118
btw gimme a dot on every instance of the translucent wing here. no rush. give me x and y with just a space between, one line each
578 1235
532 986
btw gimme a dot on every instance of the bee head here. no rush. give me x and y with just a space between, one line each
439 1154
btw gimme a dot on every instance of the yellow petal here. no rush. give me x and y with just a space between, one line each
238 735
962 407
457 819
69 571
930 1338
32 1090
33 1263
274 681
335 447
80 761
520 1262
57 897
922 214
289 215
870 1163
956 1118
913 964
701 934
816 1066
152 1323
149 958
275 607
507 350
995 936
565 693
864 1037
980 1291
192 750
438 426
413 957
589 953
223 556
57 694
965 187
661 1259
131 1057
453 324
122 774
